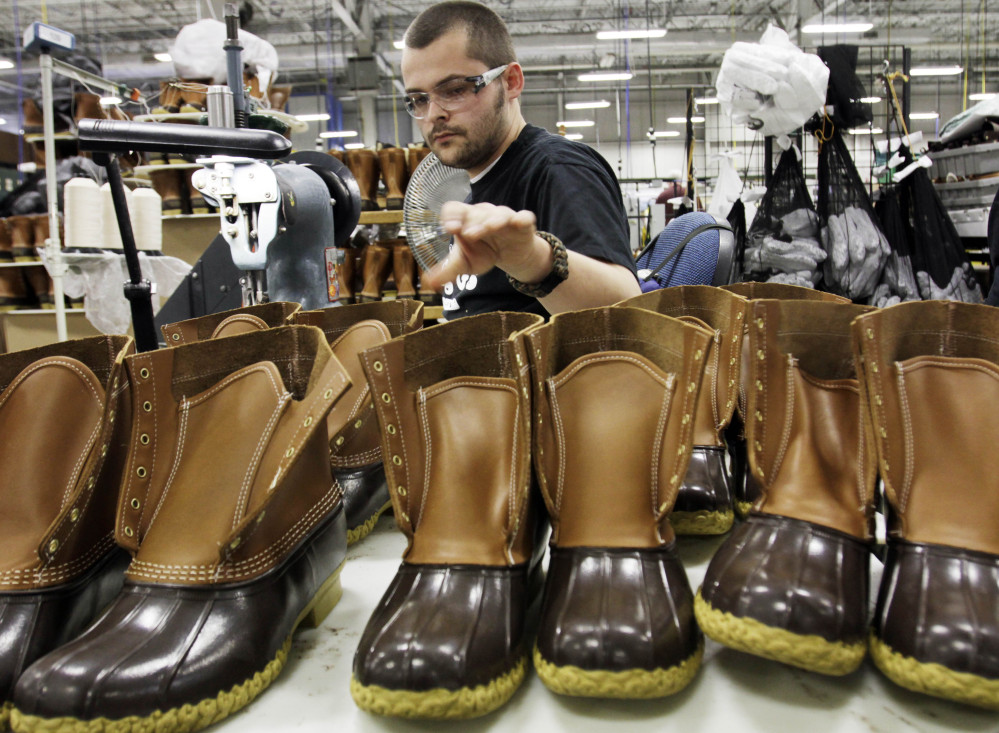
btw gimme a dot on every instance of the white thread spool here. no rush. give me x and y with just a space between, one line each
110 235
148 222
82 216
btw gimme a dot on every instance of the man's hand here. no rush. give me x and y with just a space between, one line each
487 236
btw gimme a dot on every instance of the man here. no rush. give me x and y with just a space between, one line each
463 86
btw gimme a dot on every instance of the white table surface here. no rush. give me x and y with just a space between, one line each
733 692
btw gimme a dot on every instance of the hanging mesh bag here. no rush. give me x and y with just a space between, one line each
856 248
782 244
898 282
942 268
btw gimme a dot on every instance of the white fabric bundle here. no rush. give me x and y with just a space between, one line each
771 86
198 53
796 261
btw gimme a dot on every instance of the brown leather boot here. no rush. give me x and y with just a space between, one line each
791 582
237 531
170 98
392 162
377 266
403 268
258 317
415 155
13 289
338 154
87 106
59 566
278 96
468 515
931 385
6 245
169 182
40 284
363 163
426 293
34 118
355 451
745 489
22 237
615 392
194 94
704 501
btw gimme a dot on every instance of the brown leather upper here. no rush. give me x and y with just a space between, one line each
353 428
229 323
452 403
63 413
932 380
723 313
615 392
804 426
228 466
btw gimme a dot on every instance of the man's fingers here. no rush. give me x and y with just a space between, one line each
448 269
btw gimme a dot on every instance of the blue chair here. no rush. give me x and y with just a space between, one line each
693 249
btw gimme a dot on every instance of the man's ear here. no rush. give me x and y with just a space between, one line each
514 80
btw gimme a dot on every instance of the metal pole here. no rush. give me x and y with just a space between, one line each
53 250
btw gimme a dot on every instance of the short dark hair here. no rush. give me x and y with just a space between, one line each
488 37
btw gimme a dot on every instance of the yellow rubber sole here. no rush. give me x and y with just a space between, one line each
743 507
189 718
629 684
934 679
5 714
439 704
702 523
807 651
363 530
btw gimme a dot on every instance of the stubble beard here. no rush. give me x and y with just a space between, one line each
481 139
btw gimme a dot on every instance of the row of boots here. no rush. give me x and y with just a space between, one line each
364 273
392 165
137 508
30 286
492 431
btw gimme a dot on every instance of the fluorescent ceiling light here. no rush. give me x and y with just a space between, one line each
705 100
935 70
163 56
399 44
666 133
857 27
606 76
315 117
110 100
338 133
616 35
6 64
981 96
353 146
869 100
924 115
574 136
683 120
3 121
865 131
575 123
596 104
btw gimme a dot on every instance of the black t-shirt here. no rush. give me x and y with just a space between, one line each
574 194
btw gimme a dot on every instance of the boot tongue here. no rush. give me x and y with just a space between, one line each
40 456
215 477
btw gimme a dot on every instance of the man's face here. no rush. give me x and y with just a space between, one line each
465 138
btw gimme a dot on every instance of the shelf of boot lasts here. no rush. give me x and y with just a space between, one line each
731 692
